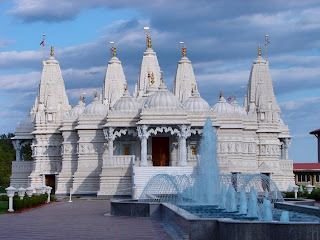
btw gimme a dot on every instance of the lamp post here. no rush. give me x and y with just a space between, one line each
38 190
21 192
309 188
29 191
48 192
295 189
10 193
44 189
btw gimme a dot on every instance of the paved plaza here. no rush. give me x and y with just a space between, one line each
81 219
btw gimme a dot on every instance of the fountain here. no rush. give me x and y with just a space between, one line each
223 197
253 204
231 202
284 216
243 203
267 213
186 199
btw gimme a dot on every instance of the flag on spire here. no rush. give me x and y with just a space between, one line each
42 42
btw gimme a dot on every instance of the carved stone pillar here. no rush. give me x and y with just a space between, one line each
17 146
286 142
184 134
109 135
143 135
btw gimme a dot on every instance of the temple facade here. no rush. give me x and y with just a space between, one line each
115 144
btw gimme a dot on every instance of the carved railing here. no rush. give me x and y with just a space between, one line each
117 161
286 164
23 166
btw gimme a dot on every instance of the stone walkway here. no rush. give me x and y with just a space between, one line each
82 219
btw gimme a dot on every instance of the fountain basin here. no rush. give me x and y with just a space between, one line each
219 228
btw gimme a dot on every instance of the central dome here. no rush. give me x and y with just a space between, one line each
222 107
125 104
96 108
162 100
195 103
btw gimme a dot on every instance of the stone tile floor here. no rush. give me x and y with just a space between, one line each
81 219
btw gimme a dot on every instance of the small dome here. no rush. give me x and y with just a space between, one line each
238 109
96 108
222 107
77 110
162 100
195 103
27 123
126 104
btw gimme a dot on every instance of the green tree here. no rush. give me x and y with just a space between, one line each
26 153
7 155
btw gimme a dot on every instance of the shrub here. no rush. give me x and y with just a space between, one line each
52 198
289 194
4 198
315 194
28 202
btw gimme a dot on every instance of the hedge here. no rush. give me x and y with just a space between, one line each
315 194
28 202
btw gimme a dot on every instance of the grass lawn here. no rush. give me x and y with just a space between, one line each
3 206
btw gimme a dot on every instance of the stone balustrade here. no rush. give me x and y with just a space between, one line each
117 161
22 166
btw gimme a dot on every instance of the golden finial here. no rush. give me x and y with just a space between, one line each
152 78
51 53
125 87
147 36
149 42
80 98
114 51
259 50
84 97
234 98
72 106
183 49
95 93
112 48
161 78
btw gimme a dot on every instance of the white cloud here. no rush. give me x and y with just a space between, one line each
296 104
20 82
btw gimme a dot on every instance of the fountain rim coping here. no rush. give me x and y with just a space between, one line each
191 217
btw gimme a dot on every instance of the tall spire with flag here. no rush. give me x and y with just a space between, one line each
183 49
112 48
148 38
266 44
43 43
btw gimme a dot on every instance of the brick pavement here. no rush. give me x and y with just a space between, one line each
82 219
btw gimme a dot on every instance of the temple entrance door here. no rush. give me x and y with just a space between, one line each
160 151
51 181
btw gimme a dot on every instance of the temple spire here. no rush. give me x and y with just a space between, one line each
114 79
259 51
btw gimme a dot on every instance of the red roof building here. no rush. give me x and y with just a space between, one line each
307 173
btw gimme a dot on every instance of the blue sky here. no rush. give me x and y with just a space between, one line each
221 39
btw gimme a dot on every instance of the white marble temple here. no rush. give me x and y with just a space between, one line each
90 148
